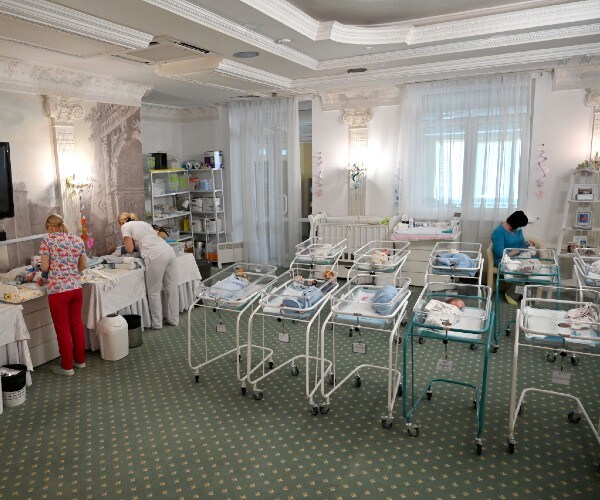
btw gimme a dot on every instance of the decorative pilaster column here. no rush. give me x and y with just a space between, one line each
358 143
592 98
63 111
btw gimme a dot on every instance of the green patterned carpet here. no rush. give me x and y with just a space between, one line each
142 427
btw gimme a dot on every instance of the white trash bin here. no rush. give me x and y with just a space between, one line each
113 335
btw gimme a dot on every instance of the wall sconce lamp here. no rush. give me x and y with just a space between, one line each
357 171
78 185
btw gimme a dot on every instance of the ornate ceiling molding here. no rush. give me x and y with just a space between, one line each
582 76
157 112
63 110
357 117
482 22
465 46
592 98
539 59
19 76
206 18
57 17
368 98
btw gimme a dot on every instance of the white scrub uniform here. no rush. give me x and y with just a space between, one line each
161 273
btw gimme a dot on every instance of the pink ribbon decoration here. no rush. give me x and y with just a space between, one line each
540 180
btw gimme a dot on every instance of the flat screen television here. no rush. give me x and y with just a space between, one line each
7 205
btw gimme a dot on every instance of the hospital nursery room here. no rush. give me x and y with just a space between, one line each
288 249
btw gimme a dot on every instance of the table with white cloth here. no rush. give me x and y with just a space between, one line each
188 278
13 338
101 298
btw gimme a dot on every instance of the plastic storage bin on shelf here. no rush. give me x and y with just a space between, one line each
113 336
13 386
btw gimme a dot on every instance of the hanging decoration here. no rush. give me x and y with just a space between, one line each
357 172
542 159
318 167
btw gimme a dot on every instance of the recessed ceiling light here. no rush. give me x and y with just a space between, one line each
245 54
368 48
357 70
283 41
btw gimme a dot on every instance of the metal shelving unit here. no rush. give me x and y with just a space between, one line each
208 207
170 195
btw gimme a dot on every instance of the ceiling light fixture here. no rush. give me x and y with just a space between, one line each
245 54
357 70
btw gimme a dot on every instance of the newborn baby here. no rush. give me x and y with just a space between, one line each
456 302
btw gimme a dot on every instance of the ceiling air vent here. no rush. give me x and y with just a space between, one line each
163 50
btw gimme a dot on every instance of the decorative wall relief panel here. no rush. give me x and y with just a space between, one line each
117 171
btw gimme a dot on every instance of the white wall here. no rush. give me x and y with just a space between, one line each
330 141
162 136
24 124
562 123
562 127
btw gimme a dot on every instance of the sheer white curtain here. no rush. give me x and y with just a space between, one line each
265 178
464 146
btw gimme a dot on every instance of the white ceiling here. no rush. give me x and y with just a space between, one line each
139 43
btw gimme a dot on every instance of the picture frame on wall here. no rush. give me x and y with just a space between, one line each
584 219
580 241
585 192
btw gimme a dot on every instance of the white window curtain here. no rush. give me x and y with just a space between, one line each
464 147
265 178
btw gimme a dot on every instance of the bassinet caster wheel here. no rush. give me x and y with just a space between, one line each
197 377
314 409
350 332
399 392
243 389
403 322
494 349
357 381
271 365
474 347
574 360
324 408
551 357
413 430
507 332
574 417
331 379
386 422
474 404
421 340
479 448
294 371
258 395
429 394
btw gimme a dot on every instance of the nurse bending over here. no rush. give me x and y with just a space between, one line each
161 273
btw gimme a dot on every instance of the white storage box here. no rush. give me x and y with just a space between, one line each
212 225
197 204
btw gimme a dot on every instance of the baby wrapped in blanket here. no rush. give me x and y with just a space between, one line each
443 313
227 288
296 306
455 260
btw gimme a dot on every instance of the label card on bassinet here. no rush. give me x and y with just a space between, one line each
284 337
221 328
519 289
563 378
444 365
359 348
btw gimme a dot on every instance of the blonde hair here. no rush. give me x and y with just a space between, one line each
55 220
127 215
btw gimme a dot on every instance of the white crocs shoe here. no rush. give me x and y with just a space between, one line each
78 365
59 370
